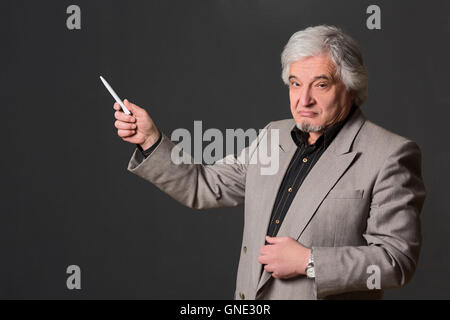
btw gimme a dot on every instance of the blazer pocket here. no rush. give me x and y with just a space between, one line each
346 194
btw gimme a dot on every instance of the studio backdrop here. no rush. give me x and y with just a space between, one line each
68 203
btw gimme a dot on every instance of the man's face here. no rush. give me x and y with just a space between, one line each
318 100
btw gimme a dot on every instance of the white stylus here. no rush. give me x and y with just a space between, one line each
115 96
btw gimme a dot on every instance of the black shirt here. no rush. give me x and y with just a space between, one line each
304 158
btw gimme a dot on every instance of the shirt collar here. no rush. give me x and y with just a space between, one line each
301 138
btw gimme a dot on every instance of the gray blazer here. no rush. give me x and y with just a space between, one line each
359 206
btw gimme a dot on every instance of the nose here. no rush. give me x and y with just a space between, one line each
306 99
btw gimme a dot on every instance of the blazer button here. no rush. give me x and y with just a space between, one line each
305 159
245 249
242 295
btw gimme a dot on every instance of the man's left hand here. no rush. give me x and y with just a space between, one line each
284 257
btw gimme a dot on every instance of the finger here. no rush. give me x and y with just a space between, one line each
266 250
276 275
263 260
268 268
273 240
135 109
120 115
116 106
130 106
125 133
124 125
263 250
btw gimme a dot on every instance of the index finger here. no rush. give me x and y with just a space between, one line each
116 106
263 250
120 115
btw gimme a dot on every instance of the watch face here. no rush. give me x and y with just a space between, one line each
310 273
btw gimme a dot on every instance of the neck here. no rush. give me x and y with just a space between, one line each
313 136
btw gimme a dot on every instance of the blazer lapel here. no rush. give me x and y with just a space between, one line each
271 184
323 176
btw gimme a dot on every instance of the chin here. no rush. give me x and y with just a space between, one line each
308 126
307 120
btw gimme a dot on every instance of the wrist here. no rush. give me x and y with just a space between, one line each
304 263
309 269
150 141
308 261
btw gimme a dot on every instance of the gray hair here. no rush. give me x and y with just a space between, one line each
343 50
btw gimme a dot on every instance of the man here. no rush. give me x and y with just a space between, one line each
344 205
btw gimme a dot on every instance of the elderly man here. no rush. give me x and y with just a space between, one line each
340 218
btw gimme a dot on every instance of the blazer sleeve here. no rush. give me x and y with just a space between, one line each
393 232
196 186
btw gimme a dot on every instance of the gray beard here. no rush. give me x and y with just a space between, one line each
307 127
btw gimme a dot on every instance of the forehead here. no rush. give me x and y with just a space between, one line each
310 67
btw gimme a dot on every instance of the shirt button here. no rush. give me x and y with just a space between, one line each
290 190
241 295
245 249
277 221
305 159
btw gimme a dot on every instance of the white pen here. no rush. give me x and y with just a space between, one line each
115 96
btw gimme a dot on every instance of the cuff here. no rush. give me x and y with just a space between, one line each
148 151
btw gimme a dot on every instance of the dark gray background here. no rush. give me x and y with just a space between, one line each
66 195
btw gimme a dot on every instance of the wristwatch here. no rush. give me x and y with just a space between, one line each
310 267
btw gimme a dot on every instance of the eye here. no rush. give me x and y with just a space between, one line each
322 85
294 84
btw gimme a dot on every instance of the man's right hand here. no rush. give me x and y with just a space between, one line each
137 128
